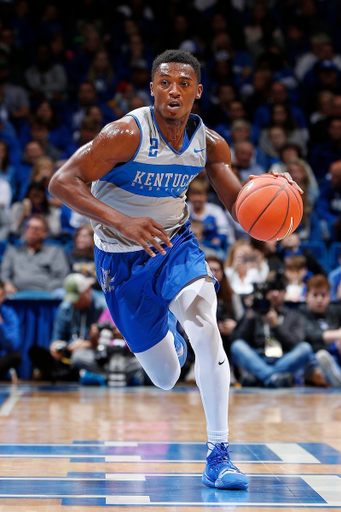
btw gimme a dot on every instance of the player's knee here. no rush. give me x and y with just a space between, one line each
165 381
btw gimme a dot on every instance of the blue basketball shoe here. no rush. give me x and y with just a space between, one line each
220 472
179 341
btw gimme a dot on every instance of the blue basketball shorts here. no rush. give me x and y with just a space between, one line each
139 288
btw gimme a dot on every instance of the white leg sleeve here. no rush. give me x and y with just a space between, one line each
195 308
161 363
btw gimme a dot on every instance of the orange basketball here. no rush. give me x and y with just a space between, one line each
269 208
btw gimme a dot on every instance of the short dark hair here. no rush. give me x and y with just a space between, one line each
181 56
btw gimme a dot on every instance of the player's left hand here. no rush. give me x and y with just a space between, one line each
288 177
284 175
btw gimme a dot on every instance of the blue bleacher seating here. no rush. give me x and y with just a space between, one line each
334 253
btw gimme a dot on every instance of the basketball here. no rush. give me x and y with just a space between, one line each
269 208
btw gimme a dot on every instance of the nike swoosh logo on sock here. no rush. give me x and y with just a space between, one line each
221 362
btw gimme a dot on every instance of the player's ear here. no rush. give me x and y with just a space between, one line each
199 92
151 89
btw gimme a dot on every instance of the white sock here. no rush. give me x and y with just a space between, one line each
216 437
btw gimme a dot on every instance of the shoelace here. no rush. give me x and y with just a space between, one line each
221 456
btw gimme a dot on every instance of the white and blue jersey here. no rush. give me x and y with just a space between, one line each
153 183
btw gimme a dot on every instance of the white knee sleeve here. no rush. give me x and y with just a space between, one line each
195 308
161 363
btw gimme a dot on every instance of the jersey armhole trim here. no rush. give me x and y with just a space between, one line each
141 135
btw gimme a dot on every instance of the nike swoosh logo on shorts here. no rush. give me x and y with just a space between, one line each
199 150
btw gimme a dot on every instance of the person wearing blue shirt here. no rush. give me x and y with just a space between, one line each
10 356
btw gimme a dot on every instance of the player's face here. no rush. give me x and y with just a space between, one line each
175 87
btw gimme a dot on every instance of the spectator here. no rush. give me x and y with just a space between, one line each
243 268
87 96
81 256
291 246
219 112
243 161
34 265
35 202
295 271
45 79
302 174
323 327
10 357
101 75
268 341
328 206
89 128
74 336
324 76
324 107
241 131
319 130
308 59
236 112
211 215
256 94
281 116
15 97
58 134
40 133
42 172
33 151
324 154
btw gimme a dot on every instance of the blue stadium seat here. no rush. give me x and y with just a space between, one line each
320 252
334 253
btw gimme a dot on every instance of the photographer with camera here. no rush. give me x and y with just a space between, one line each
268 344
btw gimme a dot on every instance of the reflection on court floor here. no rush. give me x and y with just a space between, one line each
128 451
102 489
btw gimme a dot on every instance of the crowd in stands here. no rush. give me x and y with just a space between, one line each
271 72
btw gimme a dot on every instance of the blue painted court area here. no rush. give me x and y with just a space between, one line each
103 489
130 451
3 397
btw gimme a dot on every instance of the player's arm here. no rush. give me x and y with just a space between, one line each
218 168
116 143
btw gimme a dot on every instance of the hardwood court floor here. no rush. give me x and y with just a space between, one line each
68 448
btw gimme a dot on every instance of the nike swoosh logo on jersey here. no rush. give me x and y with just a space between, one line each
199 150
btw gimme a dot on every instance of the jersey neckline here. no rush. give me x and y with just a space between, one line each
186 143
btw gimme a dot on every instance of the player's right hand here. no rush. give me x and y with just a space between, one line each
144 230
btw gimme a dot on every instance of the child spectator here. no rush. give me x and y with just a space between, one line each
211 215
323 327
295 270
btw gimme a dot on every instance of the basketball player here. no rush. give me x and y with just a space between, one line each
147 260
